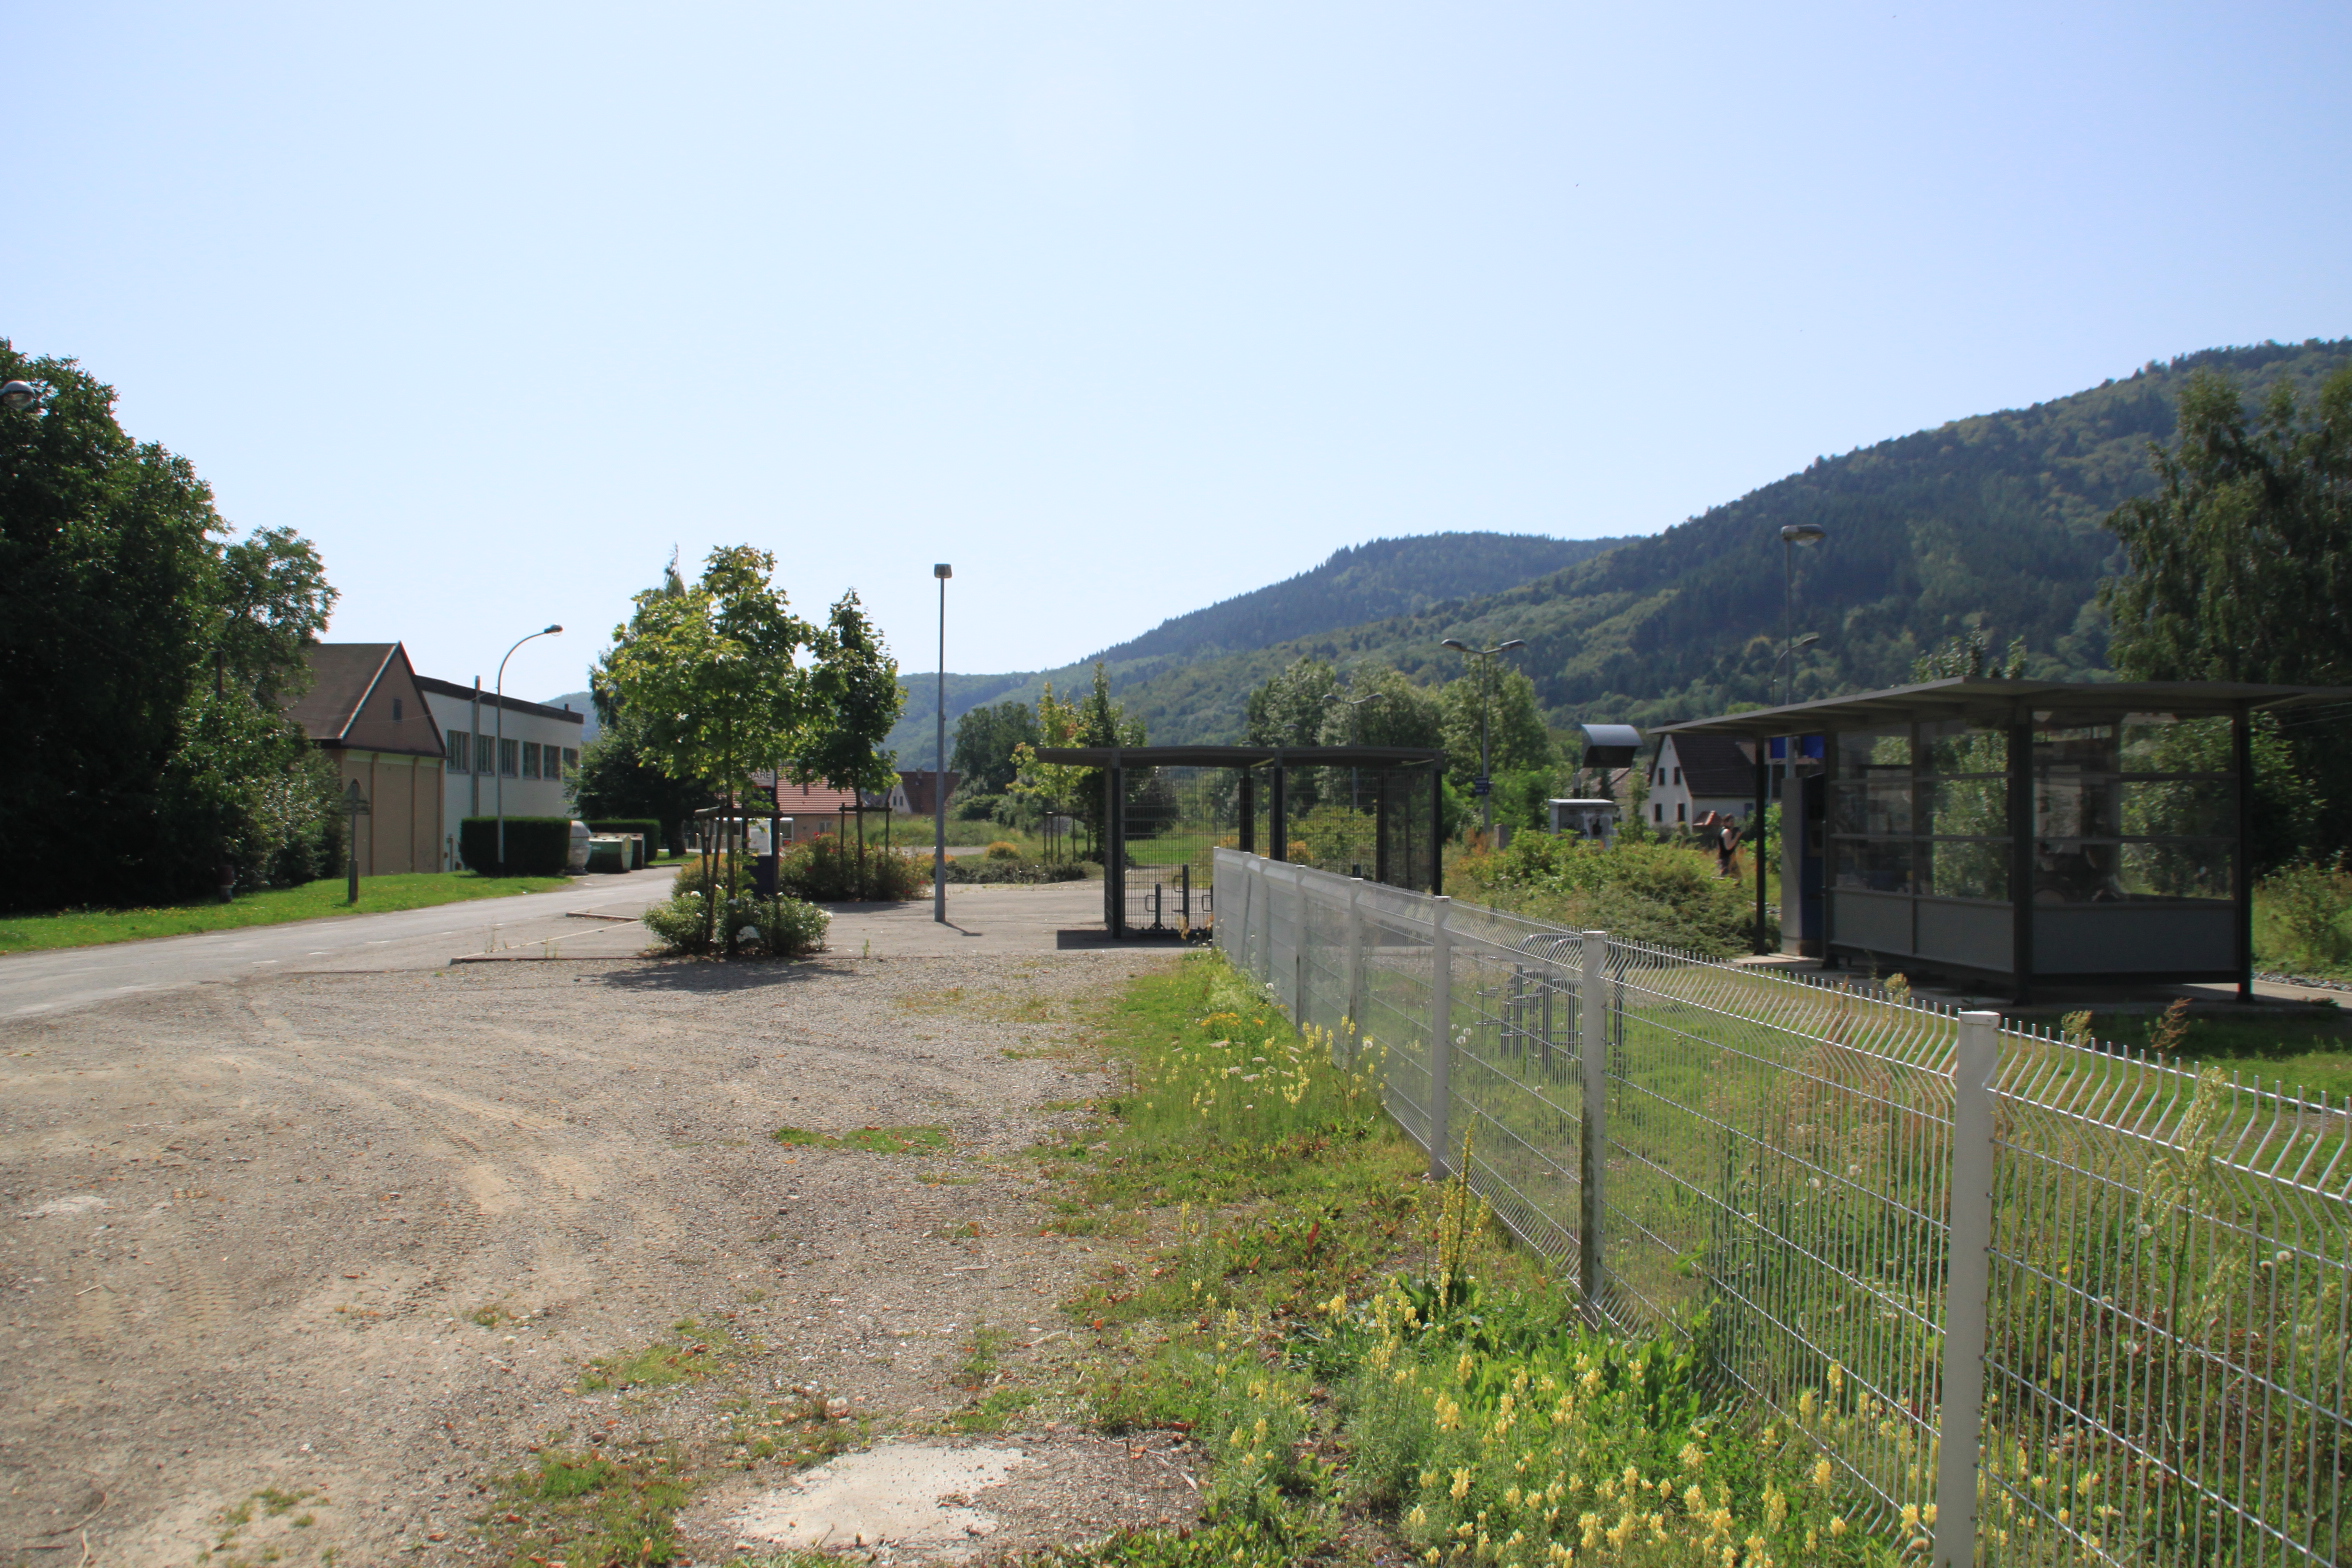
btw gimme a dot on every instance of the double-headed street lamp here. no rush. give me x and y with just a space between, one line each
1791 536
498 752
1485 768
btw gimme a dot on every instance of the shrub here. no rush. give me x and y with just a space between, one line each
1667 895
988 870
762 927
535 846
829 870
1004 849
2307 905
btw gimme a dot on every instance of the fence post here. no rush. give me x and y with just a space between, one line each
1592 1143
1351 1004
1441 1033
1968 1285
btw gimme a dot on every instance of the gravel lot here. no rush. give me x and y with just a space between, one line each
250 1227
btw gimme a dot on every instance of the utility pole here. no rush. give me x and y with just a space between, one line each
943 572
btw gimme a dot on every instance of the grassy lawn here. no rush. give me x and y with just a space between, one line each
377 895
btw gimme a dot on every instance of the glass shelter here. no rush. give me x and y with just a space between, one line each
2024 831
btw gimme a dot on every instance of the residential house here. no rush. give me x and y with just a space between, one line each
365 709
501 746
914 793
1695 774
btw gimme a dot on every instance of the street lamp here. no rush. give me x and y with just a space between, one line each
498 752
19 396
943 572
1485 770
1791 536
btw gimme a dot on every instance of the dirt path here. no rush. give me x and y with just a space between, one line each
353 1239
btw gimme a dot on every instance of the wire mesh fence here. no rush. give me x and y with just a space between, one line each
2037 1300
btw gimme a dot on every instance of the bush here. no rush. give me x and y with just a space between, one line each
1004 849
652 829
535 846
762 927
2307 907
1666 895
988 869
828 870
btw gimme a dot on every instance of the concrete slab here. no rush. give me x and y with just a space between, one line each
910 1495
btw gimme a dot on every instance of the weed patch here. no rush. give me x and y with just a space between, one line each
874 1140
585 1506
1342 1352
689 1358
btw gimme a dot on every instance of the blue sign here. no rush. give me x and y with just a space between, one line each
1482 785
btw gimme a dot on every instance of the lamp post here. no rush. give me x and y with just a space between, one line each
1791 536
19 397
943 572
1353 703
498 752
1485 766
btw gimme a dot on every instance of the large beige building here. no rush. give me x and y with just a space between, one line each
364 708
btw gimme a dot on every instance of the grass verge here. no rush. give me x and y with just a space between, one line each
269 907
1365 1359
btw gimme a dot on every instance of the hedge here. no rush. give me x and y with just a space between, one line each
655 839
535 846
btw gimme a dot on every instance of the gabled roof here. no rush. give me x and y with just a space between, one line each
1713 765
350 702
804 799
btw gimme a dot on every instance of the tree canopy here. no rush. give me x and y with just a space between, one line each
986 740
713 681
146 657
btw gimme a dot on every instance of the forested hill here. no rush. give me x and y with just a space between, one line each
1989 523
1366 582
1377 581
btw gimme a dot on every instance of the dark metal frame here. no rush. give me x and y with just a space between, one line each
1114 761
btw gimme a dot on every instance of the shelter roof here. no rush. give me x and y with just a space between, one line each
1239 756
1995 703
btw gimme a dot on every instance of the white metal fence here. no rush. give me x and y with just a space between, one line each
2039 1300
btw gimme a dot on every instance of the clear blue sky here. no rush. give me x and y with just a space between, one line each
1120 309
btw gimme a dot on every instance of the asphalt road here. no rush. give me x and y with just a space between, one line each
54 981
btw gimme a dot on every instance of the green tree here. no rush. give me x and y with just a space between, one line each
2239 568
1517 736
144 661
985 742
857 696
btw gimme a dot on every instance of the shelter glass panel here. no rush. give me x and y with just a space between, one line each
2133 808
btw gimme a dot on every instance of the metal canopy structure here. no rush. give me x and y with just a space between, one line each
1404 820
2077 831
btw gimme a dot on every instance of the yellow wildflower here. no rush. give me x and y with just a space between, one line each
1837 1526
1821 1474
1461 1487
1694 1500
1692 1456
1775 1508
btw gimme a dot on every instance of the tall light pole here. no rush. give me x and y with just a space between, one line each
1790 537
1485 762
1353 703
943 572
498 752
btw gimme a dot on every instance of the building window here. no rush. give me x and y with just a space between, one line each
461 757
571 760
1681 811
509 754
1658 813
530 759
482 758
1678 776
551 761
396 710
